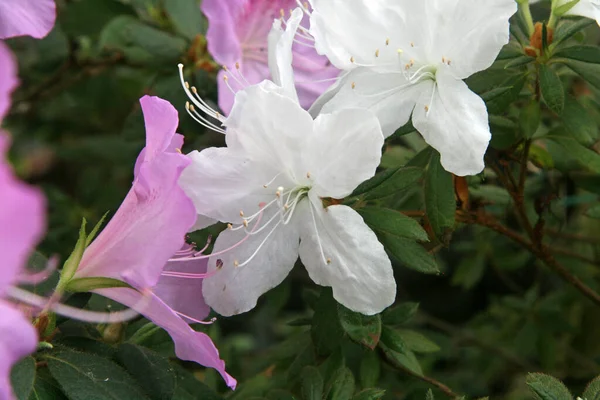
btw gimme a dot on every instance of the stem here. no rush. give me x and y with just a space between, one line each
525 13
553 19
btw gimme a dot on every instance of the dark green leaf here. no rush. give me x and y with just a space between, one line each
593 212
280 394
579 122
88 17
417 342
546 387
410 253
185 16
190 388
84 376
400 314
499 100
569 28
584 53
369 394
312 384
519 61
553 92
326 330
592 391
342 386
141 43
439 197
370 369
22 377
572 149
153 372
529 119
389 182
364 329
405 359
394 223
46 387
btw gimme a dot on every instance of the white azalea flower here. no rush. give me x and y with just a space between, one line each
269 184
407 56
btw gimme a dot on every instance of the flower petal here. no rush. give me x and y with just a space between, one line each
184 294
26 17
222 37
222 182
389 95
156 211
456 125
234 290
22 221
280 52
346 151
189 344
472 35
8 78
18 338
360 272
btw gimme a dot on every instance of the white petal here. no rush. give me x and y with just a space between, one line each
222 182
456 125
345 150
470 34
280 53
268 127
234 290
345 29
388 95
360 271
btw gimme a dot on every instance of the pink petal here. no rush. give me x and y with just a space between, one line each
8 78
184 294
26 17
189 344
151 224
18 338
222 36
21 221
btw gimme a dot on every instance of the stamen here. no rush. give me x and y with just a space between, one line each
266 185
387 41
377 53
304 6
226 80
201 120
37 277
239 82
197 321
428 108
97 317
238 265
239 71
196 99
312 213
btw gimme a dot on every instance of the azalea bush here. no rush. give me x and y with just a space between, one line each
278 200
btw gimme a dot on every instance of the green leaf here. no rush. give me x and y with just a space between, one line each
400 314
280 394
593 212
141 43
545 387
592 391
370 369
410 253
46 387
342 386
560 10
312 384
499 100
397 351
369 394
153 372
88 17
587 158
439 197
364 329
529 119
584 60
22 377
390 222
417 342
84 376
584 53
326 331
190 388
568 28
185 16
389 182
519 62
553 92
579 122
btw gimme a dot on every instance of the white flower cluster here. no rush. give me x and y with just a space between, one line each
277 181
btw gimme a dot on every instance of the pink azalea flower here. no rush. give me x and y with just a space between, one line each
21 227
148 228
238 33
26 17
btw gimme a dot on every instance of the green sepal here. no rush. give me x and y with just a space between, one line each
83 285
561 10
70 266
94 231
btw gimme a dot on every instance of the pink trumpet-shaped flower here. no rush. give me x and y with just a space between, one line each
148 228
26 17
21 227
238 33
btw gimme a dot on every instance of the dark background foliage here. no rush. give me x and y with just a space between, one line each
489 309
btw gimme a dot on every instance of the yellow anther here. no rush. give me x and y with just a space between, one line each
387 41
426 108
377 53
443 59
241 213
329 261
178 150
187 105
192 108
245 223
400 51
229 226
236 263
353 85
225 68
282 12
352 59
237 65
412 44
308 175
225 78
194 90
187 85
